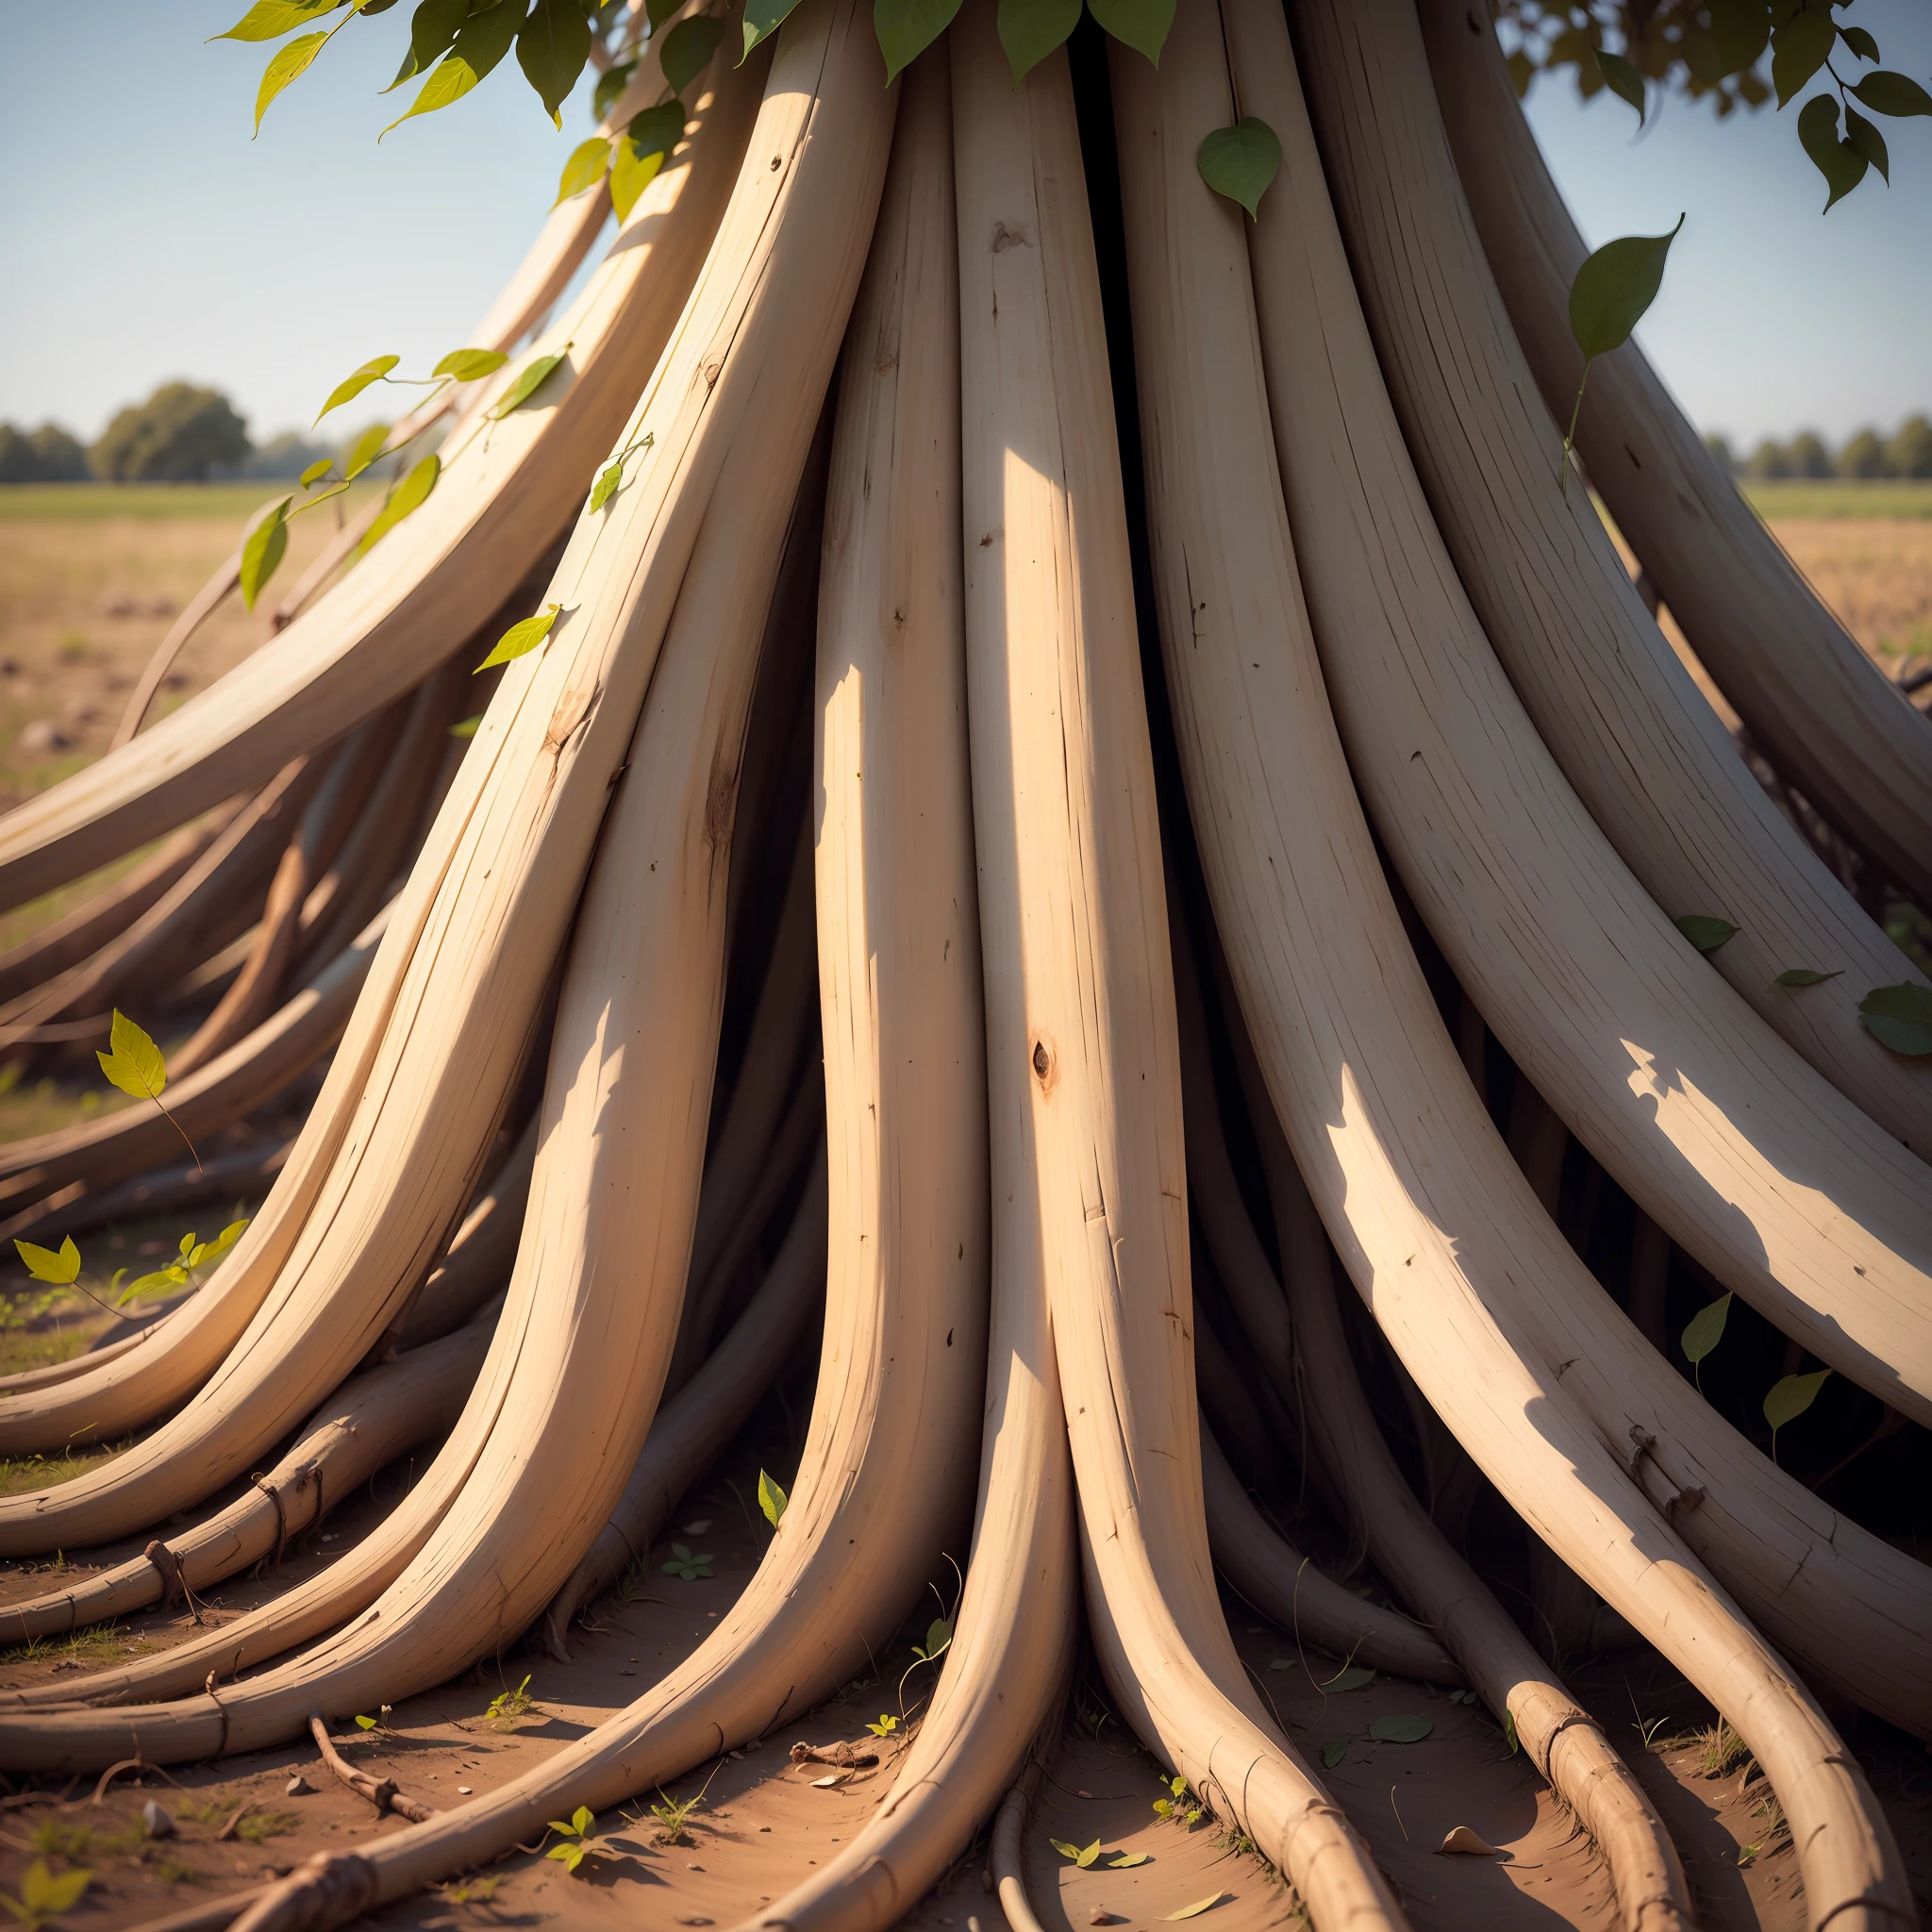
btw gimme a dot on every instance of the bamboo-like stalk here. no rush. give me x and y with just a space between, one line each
556 1421
1646 754
508 487
1813 701
1089 1161
695 1425
1436 1224
372 1419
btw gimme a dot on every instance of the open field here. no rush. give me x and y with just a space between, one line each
1802 500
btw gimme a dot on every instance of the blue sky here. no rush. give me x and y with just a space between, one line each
144 236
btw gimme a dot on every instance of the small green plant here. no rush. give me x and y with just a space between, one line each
508 1707
1789 1397
191 1256
1611 295
887 1724
578 1842
45 1894
1702 1333
474 1891
258 1828
62 1842
1176 1807
135 1064
682 1563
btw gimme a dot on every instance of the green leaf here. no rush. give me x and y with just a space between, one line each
584 169
1409 1728
530 378
316 470
1705 930
687 50
1615 287
43 1893
1031 29
288 66
772 1499
553 45
267 543
165 1282
365 1724
45 1264
480 44
640 152
1741 31
1352 1677
608 480
1897 95
1509 1731
1623 79
471 365
352 386
1334 1751
658 11
1791 1395
1860 43
1865 140
1899 1017
1200 1906
519 641
466 727
610 85
134 1064
938 1634
1125 1862
432 28
1706 1329
908 27
269 20
583 1817
1804 976
1141 25
761 19
1842 166
1799 48
1241 162
365 449
407 496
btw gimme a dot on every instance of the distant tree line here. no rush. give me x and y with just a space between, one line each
181 434
1906 453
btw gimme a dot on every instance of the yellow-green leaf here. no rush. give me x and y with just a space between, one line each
530 378
481 42
466 727
134 1062
1791 1395
584 169
47 1264
407 496
1200 1906
288 66
520 640
316 470
772 1500
44 1893
269 20
471 365
1706 1329
1125 1862
266 546
607 484
352 386
365 449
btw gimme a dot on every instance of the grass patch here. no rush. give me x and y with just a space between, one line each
67 503
20 1474
96 1643
1801 499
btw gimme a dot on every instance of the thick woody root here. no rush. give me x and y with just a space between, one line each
375 1418
1814 703
1436 1225
508 488
1089 1187
1356 504
1650 760
556 1421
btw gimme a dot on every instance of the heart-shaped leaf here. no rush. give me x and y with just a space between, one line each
908 27
764 18
1899 1017
553 45
1842 166
1865 140
1706 1329
1409 1728
687 50
1031 29
1615 287
1791 1395
1241 162
1799 48
1141 25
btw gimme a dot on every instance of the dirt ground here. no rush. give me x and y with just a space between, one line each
82 603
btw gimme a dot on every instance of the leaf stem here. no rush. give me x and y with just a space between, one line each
1570 435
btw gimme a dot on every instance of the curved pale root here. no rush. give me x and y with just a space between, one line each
1438 1227
1006 1860
1089 1163
506 488
1852 1608
214 901
1751 1160
561 1408
67 942
372 1419
892 682
695 1425
1651 761
1819 707
390 1151
1267 1571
